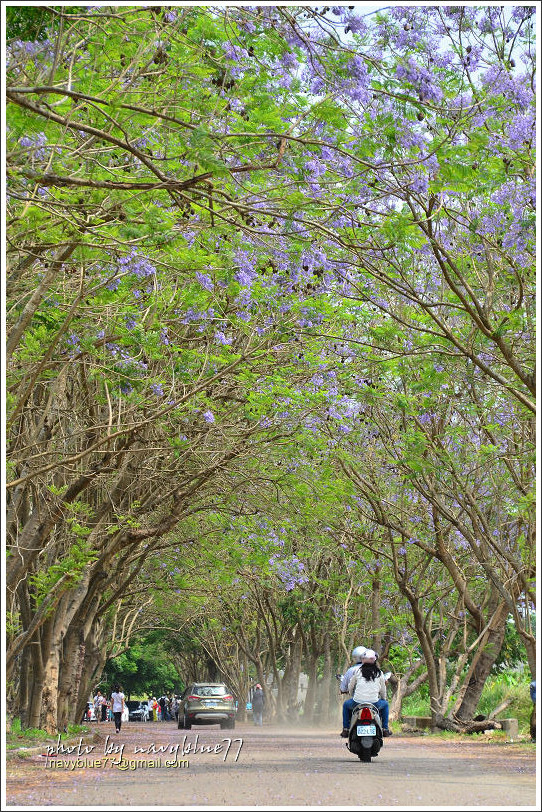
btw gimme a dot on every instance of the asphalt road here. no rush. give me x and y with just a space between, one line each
271 766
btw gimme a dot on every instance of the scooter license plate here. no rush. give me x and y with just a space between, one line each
366 730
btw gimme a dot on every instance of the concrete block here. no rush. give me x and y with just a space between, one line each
420 722
510 726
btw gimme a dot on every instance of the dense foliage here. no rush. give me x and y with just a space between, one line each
270 318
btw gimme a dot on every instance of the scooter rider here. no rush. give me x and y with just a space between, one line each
368 684
357 655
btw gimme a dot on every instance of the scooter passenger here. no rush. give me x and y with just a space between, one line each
367 684
357 655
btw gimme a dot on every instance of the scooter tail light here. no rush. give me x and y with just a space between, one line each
365 715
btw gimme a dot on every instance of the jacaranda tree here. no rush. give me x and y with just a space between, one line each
236 233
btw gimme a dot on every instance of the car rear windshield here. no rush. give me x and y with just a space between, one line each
210 690
132 704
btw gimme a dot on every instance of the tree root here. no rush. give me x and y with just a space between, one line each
473 726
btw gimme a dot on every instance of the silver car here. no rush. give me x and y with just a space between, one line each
207 703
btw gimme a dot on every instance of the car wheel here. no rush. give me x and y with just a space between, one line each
180 722
186 723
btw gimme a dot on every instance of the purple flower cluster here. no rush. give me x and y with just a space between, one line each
221 338
237 55
420 78
246 267
134 263
73 343
19 52
205 281
290 571
35 143
125 360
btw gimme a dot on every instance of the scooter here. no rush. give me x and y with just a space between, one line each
365 733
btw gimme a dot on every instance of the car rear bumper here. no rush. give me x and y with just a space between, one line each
212 715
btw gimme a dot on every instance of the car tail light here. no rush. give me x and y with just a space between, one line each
227 697
192 697
365 715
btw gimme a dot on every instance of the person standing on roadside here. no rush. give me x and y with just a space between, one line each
98 699
117 706
258 704
532 721
103 709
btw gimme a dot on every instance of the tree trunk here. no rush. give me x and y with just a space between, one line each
310 697
375 614
50 690
482 664
530 648
22 699
39 646
51 671
70 675
326 689
402 688
64 614
435 692
94 660
291 677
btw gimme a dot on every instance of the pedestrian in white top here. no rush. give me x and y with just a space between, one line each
117 707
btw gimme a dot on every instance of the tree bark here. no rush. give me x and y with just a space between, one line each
70 675
291 677
95 657
39 646
310 699
490 648
375 613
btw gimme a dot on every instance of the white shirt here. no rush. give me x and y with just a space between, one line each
346 677
367 690
118 702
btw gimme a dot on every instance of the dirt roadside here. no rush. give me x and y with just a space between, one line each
270 766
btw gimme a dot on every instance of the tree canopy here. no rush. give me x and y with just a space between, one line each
270 344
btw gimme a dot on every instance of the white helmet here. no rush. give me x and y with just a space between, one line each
358 653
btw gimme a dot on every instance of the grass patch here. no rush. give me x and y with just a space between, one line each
499 688
507 687
17 737
416 705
